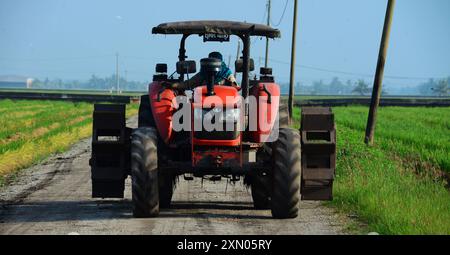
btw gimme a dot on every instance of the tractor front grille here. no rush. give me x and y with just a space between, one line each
225 133
217 135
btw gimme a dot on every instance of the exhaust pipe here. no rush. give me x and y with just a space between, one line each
210 67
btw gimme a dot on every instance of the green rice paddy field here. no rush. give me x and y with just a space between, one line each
32 130
398 186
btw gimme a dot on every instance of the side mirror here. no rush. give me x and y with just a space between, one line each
161 72
239 65
161 68
184 67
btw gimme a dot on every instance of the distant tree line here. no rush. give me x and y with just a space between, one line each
94 83
432 87
439 87
334 87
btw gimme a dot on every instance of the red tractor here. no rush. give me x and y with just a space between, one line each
255 142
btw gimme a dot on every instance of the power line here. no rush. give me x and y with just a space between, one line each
282 15
349 73
138 58
264 16
262 20
321 69
117 72
70 71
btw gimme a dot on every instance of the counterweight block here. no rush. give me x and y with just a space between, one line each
318 142
110 159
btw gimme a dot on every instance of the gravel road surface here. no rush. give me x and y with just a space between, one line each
54 197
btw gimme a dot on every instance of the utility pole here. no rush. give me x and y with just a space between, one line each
117 72
126 79
291 81
378 81
267 38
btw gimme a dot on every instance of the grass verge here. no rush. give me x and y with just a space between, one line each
397 186
29 138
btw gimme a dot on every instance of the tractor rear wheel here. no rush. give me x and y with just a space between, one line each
286 174
144 172
261 191
145 118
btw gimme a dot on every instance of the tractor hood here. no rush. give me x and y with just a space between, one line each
225 96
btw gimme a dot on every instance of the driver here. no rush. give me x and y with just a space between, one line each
223 77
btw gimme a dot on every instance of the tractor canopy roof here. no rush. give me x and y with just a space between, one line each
216 27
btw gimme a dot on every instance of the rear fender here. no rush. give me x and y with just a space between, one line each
162 108
265 106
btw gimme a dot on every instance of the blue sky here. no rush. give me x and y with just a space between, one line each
74 39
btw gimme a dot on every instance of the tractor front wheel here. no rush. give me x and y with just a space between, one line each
166 185
286 174
144 172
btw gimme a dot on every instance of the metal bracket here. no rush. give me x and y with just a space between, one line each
269 95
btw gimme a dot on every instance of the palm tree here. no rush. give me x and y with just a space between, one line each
361 88
442 88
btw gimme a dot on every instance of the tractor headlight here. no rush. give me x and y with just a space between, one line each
231 115
223 115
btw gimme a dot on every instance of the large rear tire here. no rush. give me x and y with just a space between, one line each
286 174
260 187
144 172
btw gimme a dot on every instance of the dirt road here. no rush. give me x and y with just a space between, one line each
54 198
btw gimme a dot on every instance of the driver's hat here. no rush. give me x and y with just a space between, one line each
215 54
